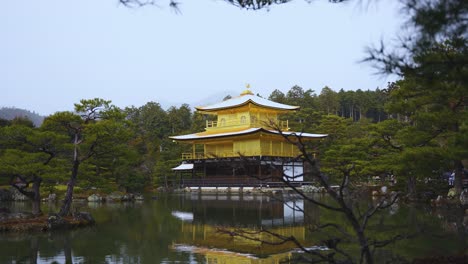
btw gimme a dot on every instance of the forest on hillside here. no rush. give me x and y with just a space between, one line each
10 113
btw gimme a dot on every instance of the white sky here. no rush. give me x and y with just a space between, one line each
54 53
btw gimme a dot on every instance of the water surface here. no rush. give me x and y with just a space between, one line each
193 228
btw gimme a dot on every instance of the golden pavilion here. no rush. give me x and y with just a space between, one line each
245 144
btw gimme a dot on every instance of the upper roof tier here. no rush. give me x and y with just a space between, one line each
245 98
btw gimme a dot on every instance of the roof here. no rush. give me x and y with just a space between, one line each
202 135
246 98
183 166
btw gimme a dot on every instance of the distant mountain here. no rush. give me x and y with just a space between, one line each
10 113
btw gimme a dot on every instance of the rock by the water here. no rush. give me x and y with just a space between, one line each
52 197
139 197
312 189
127 197
55 222
464 197
308 189
451 193
114 197
383 190
94 198
83 216
17 196
21 215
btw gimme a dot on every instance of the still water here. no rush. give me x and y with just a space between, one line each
194 228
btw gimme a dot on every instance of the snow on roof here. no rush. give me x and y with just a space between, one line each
183 166
245 99
245 132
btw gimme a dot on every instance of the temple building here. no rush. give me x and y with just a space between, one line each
246 143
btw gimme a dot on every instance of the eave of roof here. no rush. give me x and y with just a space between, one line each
201 136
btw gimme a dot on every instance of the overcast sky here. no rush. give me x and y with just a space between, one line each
54 53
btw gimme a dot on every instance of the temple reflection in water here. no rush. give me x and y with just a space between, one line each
232 228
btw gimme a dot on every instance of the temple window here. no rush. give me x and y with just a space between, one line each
243 120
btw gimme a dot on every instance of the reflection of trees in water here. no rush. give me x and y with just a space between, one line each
16 248
418 234
144 232
127 233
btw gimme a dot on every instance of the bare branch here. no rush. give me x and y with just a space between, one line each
380 206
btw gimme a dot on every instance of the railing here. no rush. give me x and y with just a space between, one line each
271 124
191 156
211 155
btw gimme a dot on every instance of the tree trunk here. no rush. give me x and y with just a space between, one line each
34 195
67 250
65 209
36 199
365 250
411 186
366 255
34 249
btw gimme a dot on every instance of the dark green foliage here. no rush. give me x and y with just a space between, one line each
156 153
4 122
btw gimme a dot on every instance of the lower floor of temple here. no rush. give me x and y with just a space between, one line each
243 172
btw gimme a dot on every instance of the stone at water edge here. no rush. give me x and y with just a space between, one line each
52 197
139 197
94 198
80 216
464 197
451 193
55 221
383 190
127 197
17 196
114 197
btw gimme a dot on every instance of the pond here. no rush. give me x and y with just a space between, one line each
195 228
